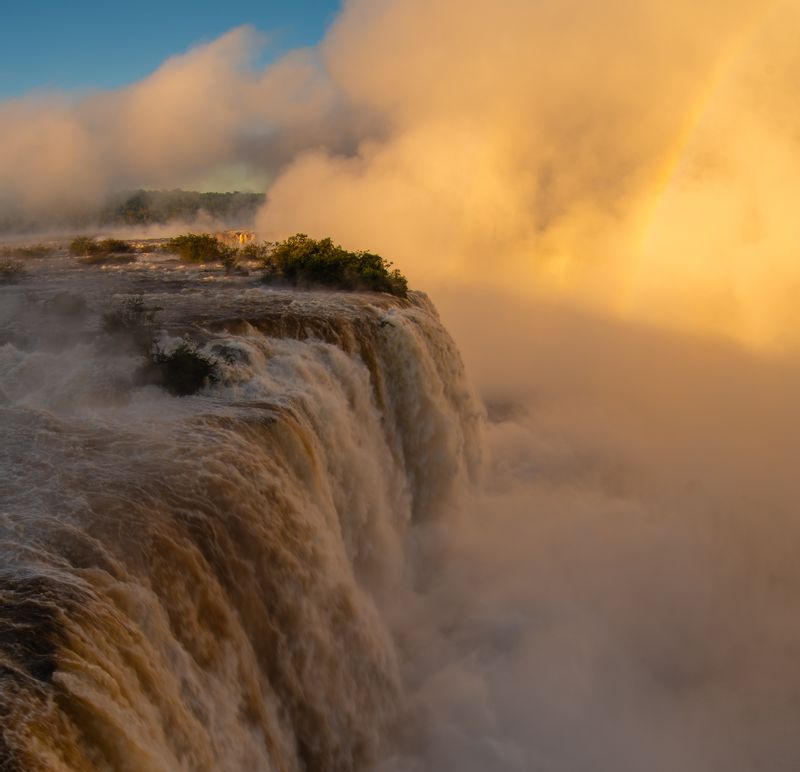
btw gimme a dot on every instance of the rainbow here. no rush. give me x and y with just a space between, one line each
736 50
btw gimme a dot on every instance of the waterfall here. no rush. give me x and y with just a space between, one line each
198 583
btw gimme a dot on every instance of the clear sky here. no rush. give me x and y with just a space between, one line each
56 44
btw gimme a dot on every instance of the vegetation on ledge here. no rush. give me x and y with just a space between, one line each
301 260
31 251
182 371
96 252
201 248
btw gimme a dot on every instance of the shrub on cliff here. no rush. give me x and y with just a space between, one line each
81 246
301 260
30 251
255 251
182 371
201 248
95 252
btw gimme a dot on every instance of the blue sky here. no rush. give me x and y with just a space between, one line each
57 44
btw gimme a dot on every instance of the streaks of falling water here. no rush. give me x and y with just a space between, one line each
194 583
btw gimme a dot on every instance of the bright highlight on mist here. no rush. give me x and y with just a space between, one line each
639 158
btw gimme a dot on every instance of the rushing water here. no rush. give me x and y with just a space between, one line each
198 583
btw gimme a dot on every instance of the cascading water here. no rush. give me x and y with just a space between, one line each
198 583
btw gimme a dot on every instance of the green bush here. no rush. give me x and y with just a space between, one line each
301 260
31 251
183 371
255 251
115 246
230 260
93 252
81 246
200 248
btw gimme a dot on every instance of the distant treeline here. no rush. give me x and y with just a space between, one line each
142 208
151 207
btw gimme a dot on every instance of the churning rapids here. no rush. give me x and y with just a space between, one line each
202 583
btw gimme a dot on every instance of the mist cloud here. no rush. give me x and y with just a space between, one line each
621 594
541 138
